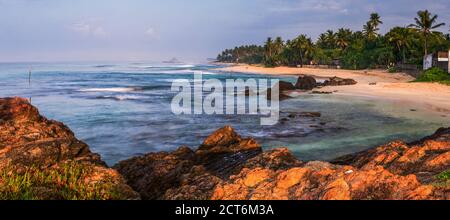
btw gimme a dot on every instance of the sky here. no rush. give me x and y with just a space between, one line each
192 31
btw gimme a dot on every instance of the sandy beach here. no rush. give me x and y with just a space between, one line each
381 84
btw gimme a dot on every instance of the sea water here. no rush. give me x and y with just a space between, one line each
123 110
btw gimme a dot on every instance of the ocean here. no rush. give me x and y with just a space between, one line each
123 110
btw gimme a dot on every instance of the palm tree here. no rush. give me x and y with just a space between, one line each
278 45
343 37
330 38
401 38
370 31
425 23
304 47
371 27
322 41
375 19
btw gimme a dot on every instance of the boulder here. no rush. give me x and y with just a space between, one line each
34 146
336 81
306 83
187 174
285 86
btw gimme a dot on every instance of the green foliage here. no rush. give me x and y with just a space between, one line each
392 69
444 176
350 49
67 182
434 75
252 54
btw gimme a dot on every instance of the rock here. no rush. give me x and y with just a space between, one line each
282 96
285 86
187 174
306 83
321 93
336 81
30 142
305 115
388 172
282 85
425 158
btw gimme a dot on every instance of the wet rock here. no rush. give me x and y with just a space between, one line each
29 141
305 115
286 86
179 174
336 81
425 158
321 93
394 171
282 96
306 83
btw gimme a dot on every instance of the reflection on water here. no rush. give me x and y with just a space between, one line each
123 110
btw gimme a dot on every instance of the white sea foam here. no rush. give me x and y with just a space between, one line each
118 89
122 97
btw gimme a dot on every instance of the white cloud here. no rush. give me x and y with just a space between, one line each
88 29
314 5
150 32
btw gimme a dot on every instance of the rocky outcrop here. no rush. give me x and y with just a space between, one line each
29 141
227 167
306 83
336 81
425 158
187 174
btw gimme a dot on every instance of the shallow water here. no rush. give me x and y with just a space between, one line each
122 110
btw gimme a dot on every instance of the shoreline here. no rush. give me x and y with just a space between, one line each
380 84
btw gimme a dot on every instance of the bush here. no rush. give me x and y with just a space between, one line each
67 182
444 176
392 69
434 75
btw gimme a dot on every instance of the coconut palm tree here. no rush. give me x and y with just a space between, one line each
401 38
425 23
303 47
371 29
343 38
278 45
375 19
330 38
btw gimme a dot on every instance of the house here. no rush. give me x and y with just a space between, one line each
440 59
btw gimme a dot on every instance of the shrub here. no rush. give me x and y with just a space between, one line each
434 75
392 69
67 182
444 176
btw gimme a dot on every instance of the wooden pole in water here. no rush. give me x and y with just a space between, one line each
29 81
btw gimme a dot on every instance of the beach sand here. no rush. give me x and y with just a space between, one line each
380 84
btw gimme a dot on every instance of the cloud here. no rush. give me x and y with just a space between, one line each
88 29
150 32
313 6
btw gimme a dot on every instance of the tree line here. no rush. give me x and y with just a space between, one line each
350 49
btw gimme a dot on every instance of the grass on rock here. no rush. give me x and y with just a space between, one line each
67 182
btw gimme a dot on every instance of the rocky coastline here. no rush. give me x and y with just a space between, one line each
225 167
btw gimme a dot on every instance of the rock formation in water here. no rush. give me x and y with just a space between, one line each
336 81
47 153
227 167
306 83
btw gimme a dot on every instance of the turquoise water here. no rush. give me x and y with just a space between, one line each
123 110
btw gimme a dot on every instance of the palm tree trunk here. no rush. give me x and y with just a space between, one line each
301 60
